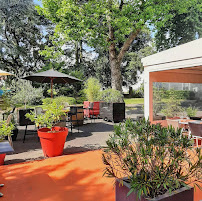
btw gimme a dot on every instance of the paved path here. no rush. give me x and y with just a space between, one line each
92 135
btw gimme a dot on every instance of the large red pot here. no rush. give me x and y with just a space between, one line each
52 143
2 157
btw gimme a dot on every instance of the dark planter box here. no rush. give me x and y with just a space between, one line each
182 194
112 111
14 134
23 121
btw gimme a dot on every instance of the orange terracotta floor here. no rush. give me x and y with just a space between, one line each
76 177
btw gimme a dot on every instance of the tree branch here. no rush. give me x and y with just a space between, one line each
127 44
121 5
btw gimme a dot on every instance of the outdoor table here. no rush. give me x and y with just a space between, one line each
5 147
184 123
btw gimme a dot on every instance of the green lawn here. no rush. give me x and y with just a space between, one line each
129 101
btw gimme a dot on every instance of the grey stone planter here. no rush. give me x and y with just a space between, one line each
182 194
112 111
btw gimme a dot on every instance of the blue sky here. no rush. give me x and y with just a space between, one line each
38 2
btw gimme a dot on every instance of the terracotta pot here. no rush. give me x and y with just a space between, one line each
52 143
180 194
2 157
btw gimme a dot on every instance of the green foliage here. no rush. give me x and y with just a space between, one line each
21 37
172 107
22 92
111 96
63 100
152 158
54 91
182 28
92 89
112 25
129 101
157 97
191 111
5 129
52 115
179 94
90 19
47 101
60 100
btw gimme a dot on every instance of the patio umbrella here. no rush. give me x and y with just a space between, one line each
52 76
5 73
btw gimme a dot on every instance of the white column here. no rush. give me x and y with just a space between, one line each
146 93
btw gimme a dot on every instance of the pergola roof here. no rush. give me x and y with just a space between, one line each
182 56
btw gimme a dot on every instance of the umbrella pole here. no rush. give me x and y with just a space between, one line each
51 87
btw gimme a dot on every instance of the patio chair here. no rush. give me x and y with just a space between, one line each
7 113
195 132
23 121
93 110
38 110
85 107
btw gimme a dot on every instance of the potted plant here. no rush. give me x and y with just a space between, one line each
151 162
191 113
52 137
112 108
5 131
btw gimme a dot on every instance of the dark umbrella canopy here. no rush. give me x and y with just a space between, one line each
52 75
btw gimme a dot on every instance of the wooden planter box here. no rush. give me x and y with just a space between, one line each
112 111
180 194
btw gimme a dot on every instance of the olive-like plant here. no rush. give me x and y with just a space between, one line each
5 129
151 158
51 116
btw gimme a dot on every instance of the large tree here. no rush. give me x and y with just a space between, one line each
22 36
182 28
113 24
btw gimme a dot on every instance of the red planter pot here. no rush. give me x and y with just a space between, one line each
53 143
2 157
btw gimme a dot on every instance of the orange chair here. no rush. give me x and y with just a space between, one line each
85 107
93 109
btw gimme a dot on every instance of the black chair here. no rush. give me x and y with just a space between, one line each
75 116
24 121
5 114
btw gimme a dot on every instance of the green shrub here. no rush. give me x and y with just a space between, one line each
111 96
47 101
64 99
5 129
152 159
92 89
51 117
22 92
179 94
60 100
191 111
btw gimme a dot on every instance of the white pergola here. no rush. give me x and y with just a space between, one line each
181 64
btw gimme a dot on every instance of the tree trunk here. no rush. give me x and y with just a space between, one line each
115 73
117 58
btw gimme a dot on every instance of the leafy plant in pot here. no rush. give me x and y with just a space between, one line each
5 131
52 137
151 162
